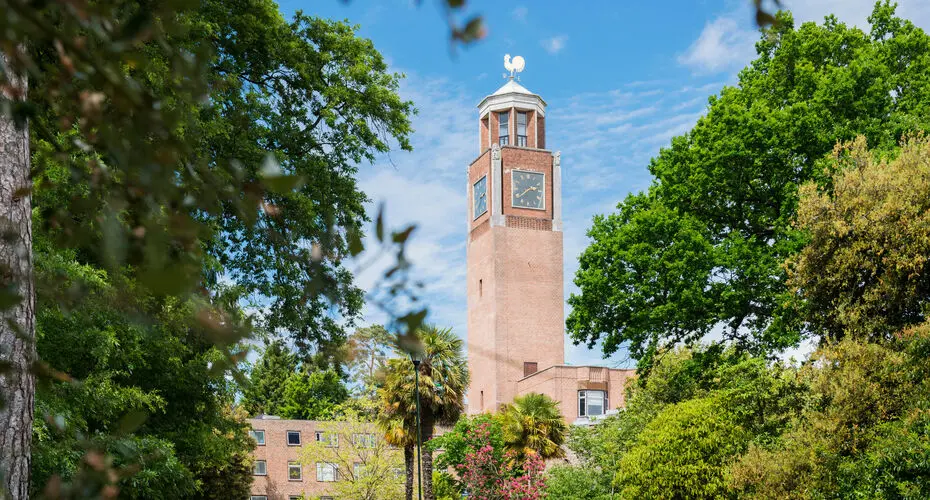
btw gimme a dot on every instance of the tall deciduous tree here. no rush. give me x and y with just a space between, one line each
313 394
704 246
443 375
866 270
368 350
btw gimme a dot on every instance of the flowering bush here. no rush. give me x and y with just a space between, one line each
487 477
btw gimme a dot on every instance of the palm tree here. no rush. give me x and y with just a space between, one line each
534 424
443 381
396 433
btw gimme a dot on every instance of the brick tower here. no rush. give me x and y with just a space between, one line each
514 246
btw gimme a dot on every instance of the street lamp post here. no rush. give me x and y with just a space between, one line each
416 371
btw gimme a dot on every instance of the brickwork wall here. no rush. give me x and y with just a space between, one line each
562 383
276 453
482 312
542 132
479 168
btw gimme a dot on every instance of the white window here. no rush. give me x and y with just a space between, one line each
295 497
294 472
521 128
330 439
363 440
293 438
326 472
504 128
398 472
258 436
260 468
258 497
358 469
592 403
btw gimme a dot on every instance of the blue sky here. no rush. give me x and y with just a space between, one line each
620 78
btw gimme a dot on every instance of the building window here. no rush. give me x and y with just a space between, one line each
326 498
479 194
591 403
521 128
504 128
293 438
295 497
326 472
294 472
330 439
358 469
529 368
363 440
258 436
260 468
258 497
398 472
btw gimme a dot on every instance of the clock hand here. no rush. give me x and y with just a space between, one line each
524 192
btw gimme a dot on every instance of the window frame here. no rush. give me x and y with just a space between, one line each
319 470
583 399
503 125
255 468
368 439
258 497
252 434
299 439
522 138
331 443
291 465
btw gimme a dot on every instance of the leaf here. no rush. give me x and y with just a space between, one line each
379 223
402 236
131 421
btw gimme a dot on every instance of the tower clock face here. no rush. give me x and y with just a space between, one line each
480 197
528 189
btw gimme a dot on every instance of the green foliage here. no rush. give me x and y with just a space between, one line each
313 395
368 350
533 424
154 379
264 394
365 461
704 246
865 271
567 482
443 379
863 430
685 449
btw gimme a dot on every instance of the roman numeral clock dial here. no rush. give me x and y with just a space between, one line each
529 189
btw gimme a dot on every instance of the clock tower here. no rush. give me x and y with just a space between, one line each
514 247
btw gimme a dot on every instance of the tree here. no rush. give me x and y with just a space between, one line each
704 246
313 395
570 482
401 434
366 464
268 379
368 350
862 433
17 311
136 393
533 424
443 379
865 271
683 452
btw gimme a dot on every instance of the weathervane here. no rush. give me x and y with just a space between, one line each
515 66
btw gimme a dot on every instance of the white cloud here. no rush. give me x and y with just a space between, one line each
727 42
722 45
555 44
520 13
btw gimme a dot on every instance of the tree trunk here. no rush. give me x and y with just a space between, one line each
427 458
408 463
17 322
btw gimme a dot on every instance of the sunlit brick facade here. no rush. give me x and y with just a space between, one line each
514 257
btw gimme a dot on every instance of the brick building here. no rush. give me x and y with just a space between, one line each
288 467
514 257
